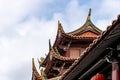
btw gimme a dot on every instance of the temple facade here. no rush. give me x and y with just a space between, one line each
83 54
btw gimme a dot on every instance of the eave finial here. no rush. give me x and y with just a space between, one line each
60 27
49 45
89 14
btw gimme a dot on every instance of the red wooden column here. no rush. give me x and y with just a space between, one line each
115 70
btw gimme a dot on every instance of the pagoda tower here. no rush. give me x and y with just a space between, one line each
67 48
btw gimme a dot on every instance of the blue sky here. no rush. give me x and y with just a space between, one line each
27 25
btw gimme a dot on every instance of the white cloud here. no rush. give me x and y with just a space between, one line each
20 39
107 12
75 15
103 24
23 35
13 11
112 7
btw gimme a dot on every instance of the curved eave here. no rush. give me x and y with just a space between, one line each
92 46
47 57
59 57
64 58
57 39
78 37
45 61
59 32
35 73
87 23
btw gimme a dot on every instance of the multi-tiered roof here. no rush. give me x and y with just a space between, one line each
102 56
59 56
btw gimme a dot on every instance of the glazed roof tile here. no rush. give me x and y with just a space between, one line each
78 34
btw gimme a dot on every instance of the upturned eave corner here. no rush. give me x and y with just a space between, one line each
35 74
87 23
60 28
89 15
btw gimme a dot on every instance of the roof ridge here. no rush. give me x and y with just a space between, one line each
86 24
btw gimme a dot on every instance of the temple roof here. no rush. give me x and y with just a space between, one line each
88 26
56 55
111 35
87 31
53 53
35 72
60 28
86 35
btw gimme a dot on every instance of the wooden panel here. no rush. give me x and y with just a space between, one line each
74 53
